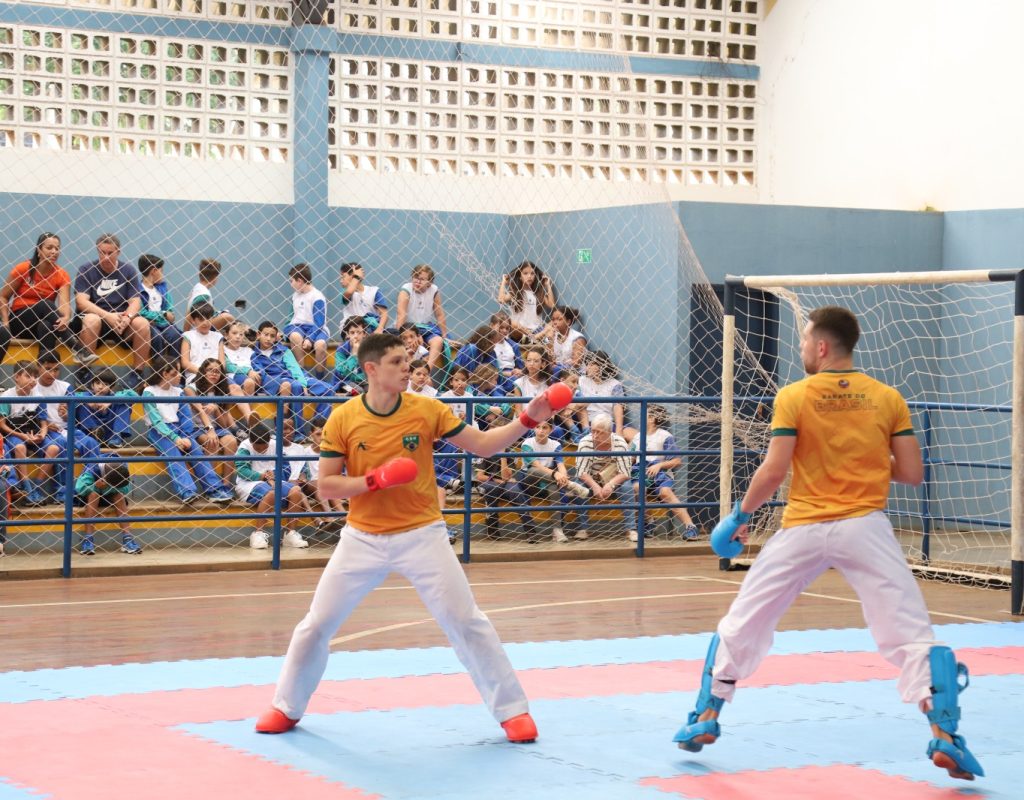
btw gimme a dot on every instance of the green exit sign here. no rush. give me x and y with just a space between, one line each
584 256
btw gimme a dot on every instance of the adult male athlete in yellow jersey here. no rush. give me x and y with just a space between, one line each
377 450
846 436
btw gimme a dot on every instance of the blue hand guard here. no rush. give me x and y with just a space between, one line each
721 537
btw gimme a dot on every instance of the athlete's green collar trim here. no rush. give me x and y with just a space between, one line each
398 405
837 371
454 431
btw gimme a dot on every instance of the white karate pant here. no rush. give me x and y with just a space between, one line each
865 551
360 562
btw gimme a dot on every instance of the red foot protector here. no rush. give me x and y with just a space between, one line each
838 782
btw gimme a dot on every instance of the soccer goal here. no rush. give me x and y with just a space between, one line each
953 344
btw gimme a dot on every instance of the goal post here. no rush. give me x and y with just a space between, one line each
946 341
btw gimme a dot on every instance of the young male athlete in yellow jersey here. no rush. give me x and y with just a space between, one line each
377 450
846 436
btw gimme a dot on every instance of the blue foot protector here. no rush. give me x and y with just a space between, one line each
694 729
954 757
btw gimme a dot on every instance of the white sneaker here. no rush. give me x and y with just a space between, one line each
559 536
292 538
581 534
577 489
633 536
258 540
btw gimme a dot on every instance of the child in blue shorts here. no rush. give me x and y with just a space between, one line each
307 332
419 302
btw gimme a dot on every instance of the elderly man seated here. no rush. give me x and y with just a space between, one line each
607 476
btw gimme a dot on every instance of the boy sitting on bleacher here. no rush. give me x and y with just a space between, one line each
255 482
55 444
281 375
110 424
24 426
100 486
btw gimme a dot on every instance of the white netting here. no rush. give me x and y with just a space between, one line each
948 348
471 136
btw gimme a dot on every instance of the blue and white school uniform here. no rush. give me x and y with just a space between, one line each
363 303
309 315
421 310
659 439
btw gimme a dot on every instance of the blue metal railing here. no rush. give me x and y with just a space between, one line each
641 505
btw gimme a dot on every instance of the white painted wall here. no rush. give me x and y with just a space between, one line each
892 104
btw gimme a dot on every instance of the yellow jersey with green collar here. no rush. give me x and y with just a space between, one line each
366 439
842 422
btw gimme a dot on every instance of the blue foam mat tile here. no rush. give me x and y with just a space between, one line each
989 634
12 791
398 761
584 790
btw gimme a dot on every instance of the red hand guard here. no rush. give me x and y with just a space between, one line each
392 473
558 396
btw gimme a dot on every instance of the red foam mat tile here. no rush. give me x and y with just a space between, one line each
837 782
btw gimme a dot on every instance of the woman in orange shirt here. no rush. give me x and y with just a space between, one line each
35 302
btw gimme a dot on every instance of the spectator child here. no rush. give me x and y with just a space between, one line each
255 484
348 375
601 380
544 472
412 338
216 425
173 434
201 341
537 375
24 426
306 473
458 387
296 469
485 382
209 274
281 375
165 338
419 302
105 485
55 444
238 359
419 379
360 300
307 332
212 381
496 480
108 423
568 345
658 475
449 470
571 418
527 291
478 350
506 351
